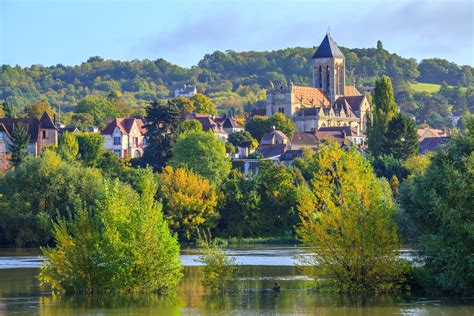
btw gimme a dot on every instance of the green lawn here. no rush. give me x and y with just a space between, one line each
424 87
427 87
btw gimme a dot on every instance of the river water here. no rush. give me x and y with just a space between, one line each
20 293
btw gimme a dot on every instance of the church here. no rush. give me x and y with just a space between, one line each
329 102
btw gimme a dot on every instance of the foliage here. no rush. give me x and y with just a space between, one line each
162 124
189 126
385 109
220 270
98 107
277 188
8 110
37 109
203 154
257 126
440 205
401 139
41 190
19 145
203 104
388 166
68 147
346 217
184 104
189 202
282 123
91 146
242 139
240 209
123 245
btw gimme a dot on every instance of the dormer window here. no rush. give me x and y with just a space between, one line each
117 140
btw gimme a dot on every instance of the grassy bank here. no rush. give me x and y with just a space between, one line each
234 241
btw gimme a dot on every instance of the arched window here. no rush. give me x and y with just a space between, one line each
327 77
320 77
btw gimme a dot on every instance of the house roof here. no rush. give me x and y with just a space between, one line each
268 137
335 133
432 131
355 101
230 123
328 48
304 139
259 112
124 125
31 125
291 154
430 144
270 151
350 91
309 96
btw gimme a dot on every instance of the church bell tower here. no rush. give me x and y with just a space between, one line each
329 69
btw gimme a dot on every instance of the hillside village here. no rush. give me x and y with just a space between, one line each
329 110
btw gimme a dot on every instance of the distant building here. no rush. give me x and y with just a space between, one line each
329 103
125 137
273 144
429 132
209 124
42 133
431 144
186 91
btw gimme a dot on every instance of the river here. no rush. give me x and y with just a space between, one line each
20 293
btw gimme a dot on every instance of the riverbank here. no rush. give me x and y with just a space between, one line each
20 293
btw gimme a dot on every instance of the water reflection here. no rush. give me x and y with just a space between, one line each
20 294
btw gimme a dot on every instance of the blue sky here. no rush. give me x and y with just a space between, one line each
69 31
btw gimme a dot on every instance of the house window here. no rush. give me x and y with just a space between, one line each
135 141
116 140
44 135
1 135
117 152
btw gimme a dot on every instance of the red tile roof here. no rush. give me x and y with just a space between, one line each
124 125
309 96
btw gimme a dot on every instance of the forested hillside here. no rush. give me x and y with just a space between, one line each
237 80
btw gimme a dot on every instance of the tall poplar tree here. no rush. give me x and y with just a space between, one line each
385 110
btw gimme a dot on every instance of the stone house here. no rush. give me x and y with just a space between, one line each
186 91
125 137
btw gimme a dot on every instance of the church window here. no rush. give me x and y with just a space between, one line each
327 78
320 77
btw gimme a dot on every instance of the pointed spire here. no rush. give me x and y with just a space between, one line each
328 48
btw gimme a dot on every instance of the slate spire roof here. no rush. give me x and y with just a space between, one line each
328 48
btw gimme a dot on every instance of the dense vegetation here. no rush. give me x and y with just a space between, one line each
233 80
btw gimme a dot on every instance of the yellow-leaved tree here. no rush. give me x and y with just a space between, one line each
189 201
346 218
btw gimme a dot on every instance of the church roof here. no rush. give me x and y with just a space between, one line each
328 48
309 96
351 91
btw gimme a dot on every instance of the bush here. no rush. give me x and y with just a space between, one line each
123 245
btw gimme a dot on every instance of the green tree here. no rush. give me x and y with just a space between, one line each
162 130
99 107
277 188
440 205
186 105
401 139
123 245
189 202
37 109
189 125
257 126
202 153
91 147
9 110
346 217
19 145
41 190
203 104
282 123
242 139
68 147
241 213
220 270
385 109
